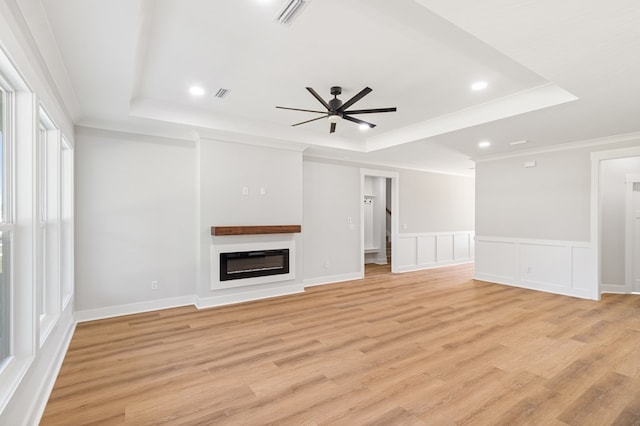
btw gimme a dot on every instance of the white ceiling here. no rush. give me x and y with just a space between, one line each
558 71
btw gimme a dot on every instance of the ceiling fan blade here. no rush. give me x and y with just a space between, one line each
305 110
319 98
364 92
309 121
355 120
371 111
333 128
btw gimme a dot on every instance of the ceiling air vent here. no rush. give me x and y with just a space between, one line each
290 10
221 93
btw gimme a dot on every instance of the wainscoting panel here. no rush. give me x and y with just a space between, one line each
545 264
407 253
582 271
430 250
426 250
444 248
495 260
561 267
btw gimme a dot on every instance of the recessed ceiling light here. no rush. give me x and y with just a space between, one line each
196 90
479 85
484 144
364 127
518 142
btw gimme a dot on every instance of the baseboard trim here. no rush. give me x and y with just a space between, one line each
248 296
414 268
564 291
133 308
332 279
49 380
613 289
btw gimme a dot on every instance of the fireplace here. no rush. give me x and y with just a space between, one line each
255 263
258 259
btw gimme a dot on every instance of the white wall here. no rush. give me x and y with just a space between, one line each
331 246
135 204
549 201
432 202
438 210
273 178
613 216
533 225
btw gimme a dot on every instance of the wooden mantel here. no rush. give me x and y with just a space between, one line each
255 230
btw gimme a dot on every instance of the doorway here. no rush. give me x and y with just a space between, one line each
379 219
632 233
614 263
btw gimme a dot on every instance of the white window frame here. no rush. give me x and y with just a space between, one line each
19 126
47 236
6 221
67 283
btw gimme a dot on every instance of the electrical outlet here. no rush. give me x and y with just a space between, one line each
326 265
154 285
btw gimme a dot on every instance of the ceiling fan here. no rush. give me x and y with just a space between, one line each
337 110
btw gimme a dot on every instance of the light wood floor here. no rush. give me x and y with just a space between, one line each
431 347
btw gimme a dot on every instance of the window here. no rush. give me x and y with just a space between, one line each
33 200
5 306
41 289
48 152
66 223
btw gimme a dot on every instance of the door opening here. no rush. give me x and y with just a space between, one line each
379 216
632 233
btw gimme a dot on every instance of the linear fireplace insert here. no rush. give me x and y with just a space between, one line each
256 263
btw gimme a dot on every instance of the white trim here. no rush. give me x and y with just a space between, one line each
613 289
427 250
553 266
596 158
49 380
538 287
247 296
404 269
132 308
217 248
323 157
12 374
608 140
332 279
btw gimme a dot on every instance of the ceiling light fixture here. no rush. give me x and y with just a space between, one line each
333 118
289 11
196 90
518 142
364 127
484 144
479 85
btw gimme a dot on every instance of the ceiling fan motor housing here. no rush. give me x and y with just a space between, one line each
334 105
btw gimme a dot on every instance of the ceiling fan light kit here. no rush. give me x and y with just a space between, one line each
336 109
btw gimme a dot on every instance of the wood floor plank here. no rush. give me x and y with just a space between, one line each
428 347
